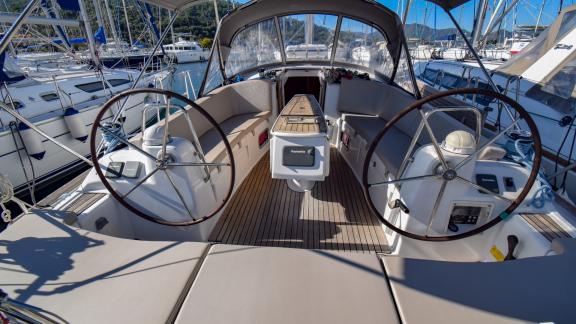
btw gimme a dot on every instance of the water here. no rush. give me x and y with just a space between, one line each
196 71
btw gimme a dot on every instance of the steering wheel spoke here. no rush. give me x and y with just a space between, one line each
384 183
139 183
163 162
196 164
128 143
484 190
485 145
437 202
434 140
179 194
426 231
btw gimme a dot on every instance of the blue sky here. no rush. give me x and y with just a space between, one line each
527 11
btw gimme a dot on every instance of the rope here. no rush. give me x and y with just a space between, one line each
524 153
6 195
111 134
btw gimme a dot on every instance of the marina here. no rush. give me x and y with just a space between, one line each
295 161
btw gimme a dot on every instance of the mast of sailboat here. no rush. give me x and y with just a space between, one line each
112 25
171 29
217 15
54 13
501 17
539 16
493 18
99 19
406 11
5 41
127 22
88 27
479 22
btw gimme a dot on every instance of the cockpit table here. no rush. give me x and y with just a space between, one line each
299 148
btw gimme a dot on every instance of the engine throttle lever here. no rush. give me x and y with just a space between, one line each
512 244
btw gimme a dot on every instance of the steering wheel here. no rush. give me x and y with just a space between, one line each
163 162
448 174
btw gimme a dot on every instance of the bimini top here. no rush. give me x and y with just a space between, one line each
268 33
182 4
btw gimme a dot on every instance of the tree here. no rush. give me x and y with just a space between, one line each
206 42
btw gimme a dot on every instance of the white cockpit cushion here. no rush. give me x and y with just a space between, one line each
246 285
529 290
235 128
87 277
393 146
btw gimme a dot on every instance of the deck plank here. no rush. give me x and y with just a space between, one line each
332 216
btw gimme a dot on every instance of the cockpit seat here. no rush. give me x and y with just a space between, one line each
392 149
366 107
238 108
235 128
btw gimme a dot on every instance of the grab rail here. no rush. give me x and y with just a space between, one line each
188 84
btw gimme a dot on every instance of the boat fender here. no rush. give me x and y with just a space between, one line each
75 124
32 141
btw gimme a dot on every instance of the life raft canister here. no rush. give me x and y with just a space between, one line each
75 124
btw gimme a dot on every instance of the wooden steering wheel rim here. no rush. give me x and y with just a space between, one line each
523 114
120 199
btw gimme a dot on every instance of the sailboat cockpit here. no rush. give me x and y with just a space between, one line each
309 182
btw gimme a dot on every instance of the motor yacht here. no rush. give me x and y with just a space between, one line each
284 194
184 51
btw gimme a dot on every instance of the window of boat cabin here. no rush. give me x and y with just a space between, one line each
99 85
308 37
364 45
254 46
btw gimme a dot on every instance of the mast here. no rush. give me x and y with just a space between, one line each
479 22
309 31
99 19
491 23
127 22
112 25
88 27
216 14
539 16
61 32
171 28
5 41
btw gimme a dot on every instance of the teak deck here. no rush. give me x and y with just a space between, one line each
333 216
305 108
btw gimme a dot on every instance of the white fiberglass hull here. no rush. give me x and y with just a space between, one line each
188 56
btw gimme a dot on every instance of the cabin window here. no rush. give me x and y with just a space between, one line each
99 85
308 37
15 104
50 96
254 46
364 45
